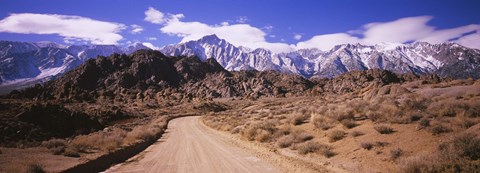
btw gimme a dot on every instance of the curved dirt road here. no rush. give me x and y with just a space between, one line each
188 146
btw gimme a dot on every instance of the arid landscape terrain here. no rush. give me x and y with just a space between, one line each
248 121
215 86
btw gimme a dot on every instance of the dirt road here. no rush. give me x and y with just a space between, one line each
188 146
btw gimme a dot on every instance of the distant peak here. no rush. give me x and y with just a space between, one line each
210 37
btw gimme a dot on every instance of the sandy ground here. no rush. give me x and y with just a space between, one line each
187 146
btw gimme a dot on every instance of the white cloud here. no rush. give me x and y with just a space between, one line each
327 41
245 34
150 45
136 29
297 36
398 31
154 16
71 28
151 38
268 28
242 19
272 36
472 40
224 23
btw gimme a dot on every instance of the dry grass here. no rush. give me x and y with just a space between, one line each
35 168
348 123
104 140
56 146
384 129
308 147
356 133
366 145
461 154
285 141
438 129
314 147
396 153
322 122
298 118
336 135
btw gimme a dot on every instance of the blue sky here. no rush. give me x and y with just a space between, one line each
279 25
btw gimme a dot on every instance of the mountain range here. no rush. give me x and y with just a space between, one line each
24 64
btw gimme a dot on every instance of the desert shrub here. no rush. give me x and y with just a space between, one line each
285 141
467 145
366 145
375 116
298 118
282 131
327 152
323 123
262 136
473 111
383 129
260 131
381 143
35 168
349 123
415 117
336 135
436 165
144 133
448 112
57 150
54 143
396 153
309 147
424 122
69 152
344 115
415 102
300 135
439 129
469 123
236 130
103 140
56 146
356 133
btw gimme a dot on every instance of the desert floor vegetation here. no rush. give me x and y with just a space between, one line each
371 130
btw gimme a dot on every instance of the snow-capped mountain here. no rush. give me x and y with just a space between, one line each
447 59
23 64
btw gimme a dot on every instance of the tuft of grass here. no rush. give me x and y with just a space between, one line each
366 145
323 123
298 118
438 129
315 147
71 153
424 123
57 150
285 141
54 143
345 115
308 147
396 153
336 135
383 129
348 123
356 133
35 168
467 145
